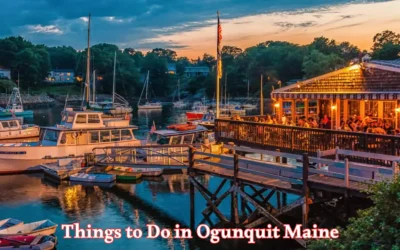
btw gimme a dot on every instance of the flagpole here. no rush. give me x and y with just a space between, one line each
218 73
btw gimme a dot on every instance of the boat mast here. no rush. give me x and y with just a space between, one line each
115 61
147 83
88 65
179 90
226 77
94 86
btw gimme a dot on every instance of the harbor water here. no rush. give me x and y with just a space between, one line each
163 201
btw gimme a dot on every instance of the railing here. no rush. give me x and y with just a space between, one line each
299 140
149 156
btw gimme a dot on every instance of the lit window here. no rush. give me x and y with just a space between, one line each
68 74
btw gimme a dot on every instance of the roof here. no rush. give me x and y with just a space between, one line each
62 128
197 70
171 132
366 81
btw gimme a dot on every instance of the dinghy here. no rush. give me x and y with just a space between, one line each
9 223
40 242
146 172
102 178
125 176
44 227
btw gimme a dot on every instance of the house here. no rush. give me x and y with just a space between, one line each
61 76
171 68
197 71
5 73
370 88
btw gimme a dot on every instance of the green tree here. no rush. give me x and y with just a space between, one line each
63 57
377 227
386 45
318 63
168 54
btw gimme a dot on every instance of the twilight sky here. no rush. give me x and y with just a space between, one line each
189 26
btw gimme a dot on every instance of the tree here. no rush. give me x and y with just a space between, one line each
168 54
388 51
136 55
377 227
209 60
386 36
318 63
63 57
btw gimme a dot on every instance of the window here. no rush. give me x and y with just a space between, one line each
51 135
353 108
163 140
115 135
371 108
312 109
187 139
176 140
93 118
287 109
94 137
81 119
70 118
13 124
126 135
5 124
300 108
68 138
105 136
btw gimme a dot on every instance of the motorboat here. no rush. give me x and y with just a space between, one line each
84 177
207 120
13 128
145 172
43 227
199 109
14 106
78 133
9 223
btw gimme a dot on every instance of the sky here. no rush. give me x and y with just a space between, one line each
189 26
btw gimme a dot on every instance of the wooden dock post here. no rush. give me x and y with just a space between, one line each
306 191
234 200
395 169
346 173
191 160
192 206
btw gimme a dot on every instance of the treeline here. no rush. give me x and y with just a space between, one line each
279 62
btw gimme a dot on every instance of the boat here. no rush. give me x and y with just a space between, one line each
249 105
14 106
146 172
95 178
39 242
62 169
179 103
207 121
199 109
12 128
117 105
78 133
147 105
43 227
125 176
9 223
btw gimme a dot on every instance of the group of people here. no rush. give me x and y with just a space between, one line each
353 124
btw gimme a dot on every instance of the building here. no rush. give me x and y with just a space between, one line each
171 68
371 88
61 76
5 73
197 71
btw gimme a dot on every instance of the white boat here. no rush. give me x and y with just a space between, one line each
14 129
9 223
148 105
44 227
146 172
96 178
79 133
179 103
249 106
15 106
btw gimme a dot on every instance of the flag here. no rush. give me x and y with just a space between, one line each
219 57
153 128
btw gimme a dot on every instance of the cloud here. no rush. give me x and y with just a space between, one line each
288 25
49 29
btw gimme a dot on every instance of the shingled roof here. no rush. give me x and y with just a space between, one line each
372 80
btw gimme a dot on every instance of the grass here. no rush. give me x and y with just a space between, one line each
56 90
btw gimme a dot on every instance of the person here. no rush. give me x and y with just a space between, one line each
388 128
268 119
256 119
283 119
274 121
325 122
312 122
303 123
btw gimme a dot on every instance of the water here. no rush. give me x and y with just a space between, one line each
164 201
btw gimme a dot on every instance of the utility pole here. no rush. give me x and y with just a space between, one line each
261 97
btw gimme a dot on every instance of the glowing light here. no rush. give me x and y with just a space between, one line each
355 67
333 107
397 110
276 105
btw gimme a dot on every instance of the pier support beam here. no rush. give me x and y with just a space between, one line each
306 191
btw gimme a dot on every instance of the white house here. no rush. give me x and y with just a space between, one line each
5 73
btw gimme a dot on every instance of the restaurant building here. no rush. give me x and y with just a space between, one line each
369 88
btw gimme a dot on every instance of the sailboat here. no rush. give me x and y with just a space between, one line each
248 105
117 106
14 106
179 103
148 105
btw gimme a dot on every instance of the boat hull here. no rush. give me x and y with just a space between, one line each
29 132
93 178
192 116
23 113
149 107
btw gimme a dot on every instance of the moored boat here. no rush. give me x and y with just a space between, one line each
97 178
14 106
125 176
146 172
44 227
39 242
9 223
13 128
148 104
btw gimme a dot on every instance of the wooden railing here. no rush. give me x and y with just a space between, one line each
299 140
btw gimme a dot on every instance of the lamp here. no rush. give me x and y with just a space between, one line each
333 107
276 105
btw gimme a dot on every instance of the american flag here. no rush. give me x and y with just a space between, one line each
153 128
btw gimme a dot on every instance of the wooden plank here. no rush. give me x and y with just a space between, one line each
291 180
224 157
368 155
270 165
328 152
261 151
215 164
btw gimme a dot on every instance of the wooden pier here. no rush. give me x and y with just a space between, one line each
252 183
